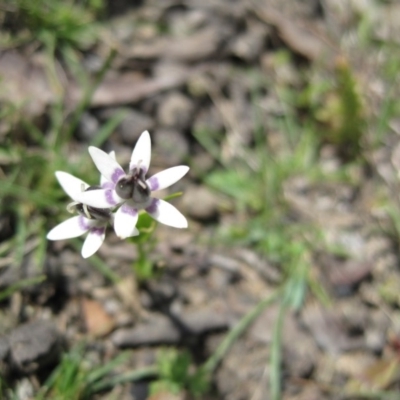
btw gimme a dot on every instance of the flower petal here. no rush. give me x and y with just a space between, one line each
106 164
166 178
93 241
141 154
125 221
102 198
71 228
167 214
135 232
71 185
103 180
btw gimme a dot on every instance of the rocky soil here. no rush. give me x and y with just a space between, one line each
182 70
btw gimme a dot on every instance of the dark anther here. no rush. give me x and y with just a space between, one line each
124 187
99 214
133 186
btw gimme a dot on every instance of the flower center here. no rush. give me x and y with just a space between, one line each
98 214
133 186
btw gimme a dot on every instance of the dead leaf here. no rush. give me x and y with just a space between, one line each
376 376
202 44
23 82
328 329
301 39
97 322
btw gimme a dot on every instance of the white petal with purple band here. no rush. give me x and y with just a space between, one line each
71 185
167 214
93 241
70 228
104 182
166 178
102 198
125 221
106 164
141 154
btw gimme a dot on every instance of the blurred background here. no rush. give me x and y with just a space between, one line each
286 283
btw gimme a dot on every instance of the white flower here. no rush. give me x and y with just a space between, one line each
90 220
132 191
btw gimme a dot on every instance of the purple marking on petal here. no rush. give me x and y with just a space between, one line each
98 230
110 198
129 210
152 208
83 223
108 185
117 174
153 183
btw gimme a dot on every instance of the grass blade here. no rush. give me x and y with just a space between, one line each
238 330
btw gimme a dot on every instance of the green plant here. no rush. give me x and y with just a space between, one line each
62 21
75 378
176 374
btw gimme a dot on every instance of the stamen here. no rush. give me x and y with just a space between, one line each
82 187
71 207
142 184
86 211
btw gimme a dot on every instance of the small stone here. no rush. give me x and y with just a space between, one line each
88 127
219 279
161 291
176 111
201 164
156 330
208 121
249 46
131 127
34 345
184 23
202 321
200 203
171 146
24 389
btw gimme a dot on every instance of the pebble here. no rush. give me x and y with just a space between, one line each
158 329
204 321
24 390
131 127
161 330
200 203
176 111
88 127
34 345
171 146
249 46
